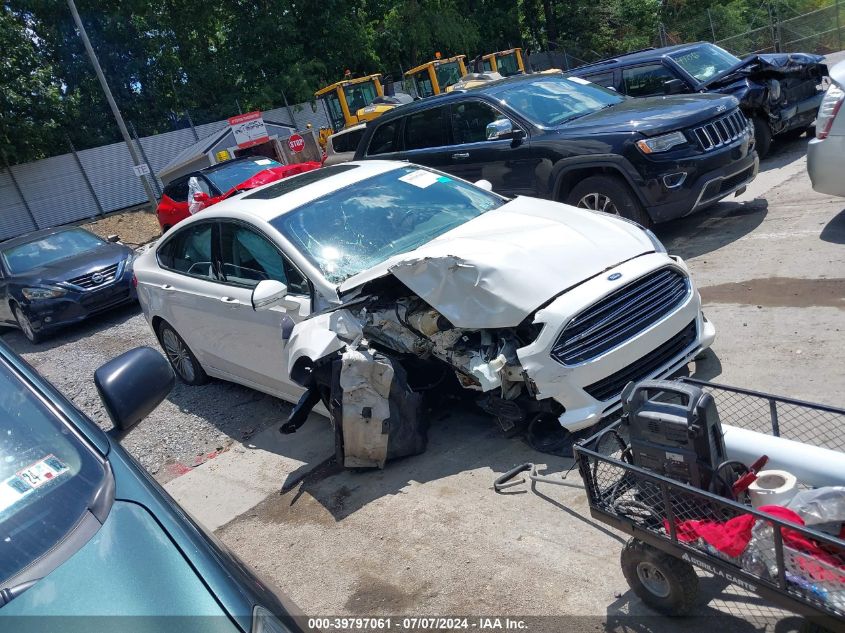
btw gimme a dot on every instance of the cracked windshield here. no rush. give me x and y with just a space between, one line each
356 228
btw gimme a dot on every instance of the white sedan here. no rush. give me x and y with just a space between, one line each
374 286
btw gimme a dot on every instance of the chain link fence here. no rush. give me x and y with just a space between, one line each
820 31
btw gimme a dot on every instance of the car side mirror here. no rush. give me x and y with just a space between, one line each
113 239
484 184
673 87
201 196
269 294
501 129
132 385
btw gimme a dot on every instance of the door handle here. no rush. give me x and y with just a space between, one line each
229 300
166 287
460 155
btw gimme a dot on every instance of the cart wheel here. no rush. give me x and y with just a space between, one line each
665 583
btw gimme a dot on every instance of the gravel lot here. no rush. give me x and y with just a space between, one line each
193 424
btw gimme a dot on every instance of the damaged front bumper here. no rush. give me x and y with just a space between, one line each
637 320
590 390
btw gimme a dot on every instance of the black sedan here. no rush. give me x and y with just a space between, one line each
59 276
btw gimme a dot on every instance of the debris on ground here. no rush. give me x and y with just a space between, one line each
135 227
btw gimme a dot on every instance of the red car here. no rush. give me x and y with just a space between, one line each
220 181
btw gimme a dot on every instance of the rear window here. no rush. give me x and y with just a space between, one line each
48 478
232 174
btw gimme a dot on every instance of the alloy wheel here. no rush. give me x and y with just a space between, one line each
598 202
26 326
178 354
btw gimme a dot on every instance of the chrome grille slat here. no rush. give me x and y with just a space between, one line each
579 323
632 321
647 292
620 316
108 274
722 131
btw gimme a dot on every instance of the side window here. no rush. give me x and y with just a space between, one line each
643 81
604 79
189 251
247 257
177 190
384 139
347 142
425 129
470 119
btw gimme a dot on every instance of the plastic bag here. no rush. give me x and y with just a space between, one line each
822 508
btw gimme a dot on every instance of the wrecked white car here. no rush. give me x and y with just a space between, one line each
379 287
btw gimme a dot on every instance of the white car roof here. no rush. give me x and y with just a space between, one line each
266 206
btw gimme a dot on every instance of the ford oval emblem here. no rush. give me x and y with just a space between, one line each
614 276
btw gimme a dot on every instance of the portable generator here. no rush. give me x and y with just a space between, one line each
674 430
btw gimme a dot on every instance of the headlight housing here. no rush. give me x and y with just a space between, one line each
662 143
658 245
35 294
263 621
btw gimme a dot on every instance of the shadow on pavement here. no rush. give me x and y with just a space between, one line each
834 231
713 228
720 607
783 152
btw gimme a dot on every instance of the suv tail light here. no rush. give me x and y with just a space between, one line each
134 280
831 103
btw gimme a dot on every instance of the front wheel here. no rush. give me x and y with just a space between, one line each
25 325
665 583
609 195
762 136
181 358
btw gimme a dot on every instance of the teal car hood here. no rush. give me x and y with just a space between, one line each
130 567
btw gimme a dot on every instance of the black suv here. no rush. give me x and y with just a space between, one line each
779 92
567 139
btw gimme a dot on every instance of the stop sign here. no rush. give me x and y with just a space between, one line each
296 143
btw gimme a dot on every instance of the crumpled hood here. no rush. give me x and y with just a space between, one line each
774 66
498 268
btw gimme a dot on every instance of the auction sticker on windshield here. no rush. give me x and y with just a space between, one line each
420 178
29 479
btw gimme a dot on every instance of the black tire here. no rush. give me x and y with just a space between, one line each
793 135
610 194
665 583
181 358
762 136
24 324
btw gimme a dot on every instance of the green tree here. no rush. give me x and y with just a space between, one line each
31 100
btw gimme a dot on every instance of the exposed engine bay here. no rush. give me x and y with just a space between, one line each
395 357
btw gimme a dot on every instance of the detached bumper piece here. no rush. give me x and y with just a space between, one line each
376 415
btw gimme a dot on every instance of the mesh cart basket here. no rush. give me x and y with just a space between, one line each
794 567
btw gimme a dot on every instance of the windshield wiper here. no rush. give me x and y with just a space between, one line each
7 594
583 114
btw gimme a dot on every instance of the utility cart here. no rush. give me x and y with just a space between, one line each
797 568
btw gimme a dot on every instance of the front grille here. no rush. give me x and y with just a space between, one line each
722 131
96 279
620 316
609 388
